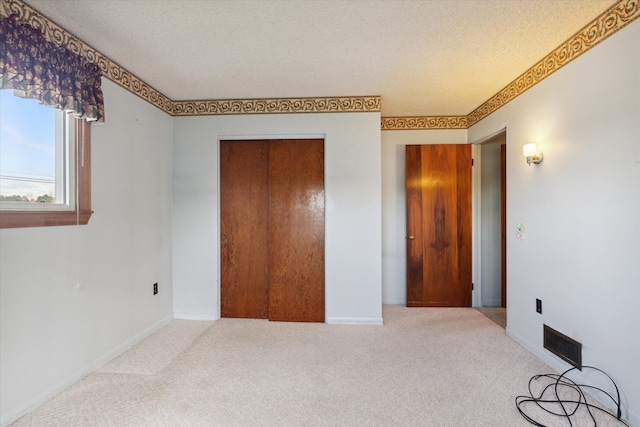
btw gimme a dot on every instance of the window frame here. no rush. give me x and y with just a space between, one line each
81 211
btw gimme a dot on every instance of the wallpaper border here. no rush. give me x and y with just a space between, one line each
609 22
121 76
424 122
612 20
618 16
277 106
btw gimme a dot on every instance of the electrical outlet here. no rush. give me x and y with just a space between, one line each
155 289
538 306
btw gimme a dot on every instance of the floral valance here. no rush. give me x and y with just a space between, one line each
39 69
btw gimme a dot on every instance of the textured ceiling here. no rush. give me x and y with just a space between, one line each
423 58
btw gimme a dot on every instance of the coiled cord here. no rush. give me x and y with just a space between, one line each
549 399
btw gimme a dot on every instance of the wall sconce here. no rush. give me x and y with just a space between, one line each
532 154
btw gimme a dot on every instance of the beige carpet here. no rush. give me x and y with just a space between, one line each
424 367
156 352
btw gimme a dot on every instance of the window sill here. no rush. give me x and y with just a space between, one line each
20 219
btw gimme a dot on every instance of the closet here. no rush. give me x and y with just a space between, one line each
272 229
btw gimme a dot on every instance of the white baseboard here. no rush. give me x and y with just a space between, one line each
195 316
76 376
560 366
354 321
394 301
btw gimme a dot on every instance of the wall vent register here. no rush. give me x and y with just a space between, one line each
562 346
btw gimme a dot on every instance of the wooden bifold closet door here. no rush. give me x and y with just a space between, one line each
272 229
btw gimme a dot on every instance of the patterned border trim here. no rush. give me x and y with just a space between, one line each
110 69
137 86
277 106
612 20
424 122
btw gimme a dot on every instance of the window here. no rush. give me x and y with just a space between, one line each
33 159
45 167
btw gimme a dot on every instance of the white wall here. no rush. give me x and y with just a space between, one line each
52 332
490 244
352 218
394 221
581 206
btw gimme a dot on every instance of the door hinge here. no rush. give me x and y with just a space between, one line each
472 286
471 162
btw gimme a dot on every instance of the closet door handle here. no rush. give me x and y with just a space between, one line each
411 237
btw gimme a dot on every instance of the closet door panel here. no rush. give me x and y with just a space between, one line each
296 230
244 211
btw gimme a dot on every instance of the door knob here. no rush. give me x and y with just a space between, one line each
411 237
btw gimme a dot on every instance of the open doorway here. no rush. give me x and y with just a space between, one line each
491 228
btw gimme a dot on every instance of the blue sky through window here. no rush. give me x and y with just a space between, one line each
27 147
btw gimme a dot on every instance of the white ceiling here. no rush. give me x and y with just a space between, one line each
424 57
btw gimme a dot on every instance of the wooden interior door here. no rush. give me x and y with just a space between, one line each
272 229
296 230
438 182
244 207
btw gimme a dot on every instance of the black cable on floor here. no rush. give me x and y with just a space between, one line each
566 408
